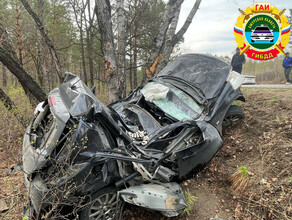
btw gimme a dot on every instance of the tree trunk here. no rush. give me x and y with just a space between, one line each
89 38
41 51
47 40
4 76
9 58
135 50
121 47
156 48
135 55
131 67
28 83
167 39
19 41
169 14
168 44
83 53
103 13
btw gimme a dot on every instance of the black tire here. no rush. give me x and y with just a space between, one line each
252 40
104 204
234 114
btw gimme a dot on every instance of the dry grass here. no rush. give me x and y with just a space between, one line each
262 143
240 180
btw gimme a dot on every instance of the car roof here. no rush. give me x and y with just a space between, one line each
206 72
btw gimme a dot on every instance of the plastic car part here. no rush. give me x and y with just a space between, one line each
167 198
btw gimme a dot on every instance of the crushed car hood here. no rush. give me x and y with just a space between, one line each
205 72
77 97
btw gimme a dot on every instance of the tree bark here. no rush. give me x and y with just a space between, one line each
103 13
169 14
121 48
135 56
156 48
89 38
28 83
9 58
48 41
19 40
135 49
131 66
41 51
168 44
169 39
83 52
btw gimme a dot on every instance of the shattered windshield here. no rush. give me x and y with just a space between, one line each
174 102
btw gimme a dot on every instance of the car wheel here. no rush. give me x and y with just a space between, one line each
234 114
252 40
271 40
104 204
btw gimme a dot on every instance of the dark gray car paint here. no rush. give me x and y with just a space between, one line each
203 77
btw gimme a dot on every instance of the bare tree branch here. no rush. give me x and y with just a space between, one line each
48 41
187 23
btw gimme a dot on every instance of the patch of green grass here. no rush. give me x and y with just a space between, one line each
190 201
243 171
290 179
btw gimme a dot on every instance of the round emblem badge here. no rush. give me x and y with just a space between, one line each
262 31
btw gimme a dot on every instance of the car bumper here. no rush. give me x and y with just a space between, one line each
262 38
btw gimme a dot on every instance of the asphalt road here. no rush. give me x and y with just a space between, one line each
269 86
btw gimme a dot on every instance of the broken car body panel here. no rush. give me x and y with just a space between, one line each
167 198
160 134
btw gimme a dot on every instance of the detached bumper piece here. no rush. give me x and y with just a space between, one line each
167 198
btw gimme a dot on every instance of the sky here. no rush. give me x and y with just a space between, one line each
212 28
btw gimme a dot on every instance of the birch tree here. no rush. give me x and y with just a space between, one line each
167 38
103 13
121 47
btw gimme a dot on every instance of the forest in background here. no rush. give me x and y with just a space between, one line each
65 36
109 44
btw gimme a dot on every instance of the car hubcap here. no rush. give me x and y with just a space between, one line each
106 206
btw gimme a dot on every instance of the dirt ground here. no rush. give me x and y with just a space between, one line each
262 144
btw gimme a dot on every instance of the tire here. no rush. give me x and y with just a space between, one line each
252 41
233 114
104 204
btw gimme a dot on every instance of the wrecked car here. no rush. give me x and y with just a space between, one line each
83 159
